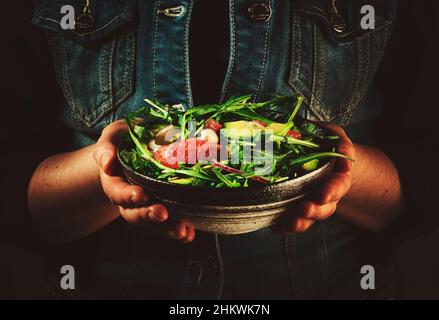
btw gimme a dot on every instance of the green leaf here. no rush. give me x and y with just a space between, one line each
312 156
291 140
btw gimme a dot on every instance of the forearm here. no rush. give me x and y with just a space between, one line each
375 197
65 197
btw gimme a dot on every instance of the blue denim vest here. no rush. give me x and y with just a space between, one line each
137 49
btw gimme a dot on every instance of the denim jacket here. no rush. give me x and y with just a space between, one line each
126 50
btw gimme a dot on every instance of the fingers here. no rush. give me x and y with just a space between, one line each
177 231
182 231
335 188
105 150
156 213
345 146
190 233
324 202
292 224
155 219
335 129
303 217
310 210
300 225
132 199
121 193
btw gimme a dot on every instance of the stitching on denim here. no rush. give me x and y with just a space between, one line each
99 111
110 72
340 111
132 69
95 115
322 66
299 46
366 65
335 112
264 58
102 53
129 69
58 58
315 103
154 51
130 46
221 266
344 35
317 73
90 118
322 12
186 55
232 50
49 19
66 80
105 84
118 17
296 45
360 30
82 35
362 80
104 109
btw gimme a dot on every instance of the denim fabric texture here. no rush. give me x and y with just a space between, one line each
139 49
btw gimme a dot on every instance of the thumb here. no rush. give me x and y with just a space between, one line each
105 152
105 157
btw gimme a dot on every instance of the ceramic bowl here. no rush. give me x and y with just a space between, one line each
229 210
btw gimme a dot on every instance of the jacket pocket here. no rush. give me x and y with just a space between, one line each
334 60
94 62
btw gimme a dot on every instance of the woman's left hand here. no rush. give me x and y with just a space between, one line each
323 202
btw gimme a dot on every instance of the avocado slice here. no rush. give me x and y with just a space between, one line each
310 165
276 127
241 128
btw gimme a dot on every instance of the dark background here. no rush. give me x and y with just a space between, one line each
407 81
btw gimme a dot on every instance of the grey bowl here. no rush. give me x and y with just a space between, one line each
229 210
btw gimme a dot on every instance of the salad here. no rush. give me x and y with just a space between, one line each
234 144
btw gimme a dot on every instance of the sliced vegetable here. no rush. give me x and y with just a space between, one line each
213 124
167 135
310 165
188 151
180 145
236 171
209 135
294 134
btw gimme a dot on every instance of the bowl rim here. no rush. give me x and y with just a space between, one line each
305 177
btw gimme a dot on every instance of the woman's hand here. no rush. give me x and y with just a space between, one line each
367 192
133 201
323 203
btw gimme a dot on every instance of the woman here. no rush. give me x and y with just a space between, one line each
122 51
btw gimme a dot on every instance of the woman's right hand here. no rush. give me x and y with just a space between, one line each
133 201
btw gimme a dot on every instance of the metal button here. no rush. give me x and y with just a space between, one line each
338 24
173 12
260 11
337 21
85 21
